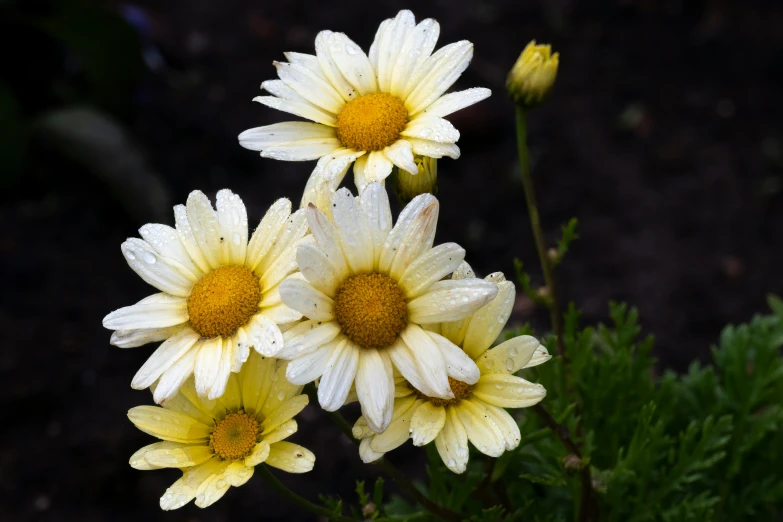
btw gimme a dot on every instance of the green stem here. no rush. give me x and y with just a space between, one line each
302 502
538 234
388 468
588 509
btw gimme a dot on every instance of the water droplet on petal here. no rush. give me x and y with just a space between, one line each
150 258
509 364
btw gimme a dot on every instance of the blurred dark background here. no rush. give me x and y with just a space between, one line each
663 136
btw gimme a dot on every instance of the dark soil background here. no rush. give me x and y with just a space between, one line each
663 136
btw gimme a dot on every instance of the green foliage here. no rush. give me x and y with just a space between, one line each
701 446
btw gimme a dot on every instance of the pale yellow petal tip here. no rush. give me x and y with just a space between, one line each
531 79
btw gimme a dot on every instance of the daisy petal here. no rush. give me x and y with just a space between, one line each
429 361
280 314
400 153
435 306
397 433
353 63
417 219
281 90
306 337
433 149
375 204
503 420
164 357
171 455
375 388
257 374
309 61
482 432
135 338
232 217
431 128
166 242
161 272
308 368
286 239
508 391
156 311
338 376
510 356
288 133
168 425
458 365
290 457
289 409
431 267
452 443
330 69
302 150
265 235
302 297
486 324
402 358
378 166
207 364
455 101
205 228
390 45
326 236
304 110
418 46
259 454
442 70
367 454
427 422
317 269
264 335
353 231
310 87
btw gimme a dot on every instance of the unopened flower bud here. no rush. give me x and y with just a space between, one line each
553 255
572 462
369 510
533 75
425 182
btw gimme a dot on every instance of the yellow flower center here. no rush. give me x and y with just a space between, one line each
460 390
223 300
371 309
371 122
235 436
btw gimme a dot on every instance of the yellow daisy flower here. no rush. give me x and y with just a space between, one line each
475 413
217 444
219 293
377 109
366 288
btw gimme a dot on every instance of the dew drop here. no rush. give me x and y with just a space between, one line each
236 238
130 255
509 364
221 484
150 258
452 463
513 351
280 395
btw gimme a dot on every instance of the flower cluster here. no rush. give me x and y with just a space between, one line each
337 292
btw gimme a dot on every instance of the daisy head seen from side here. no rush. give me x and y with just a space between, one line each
377 109
217 443
218 292
365 288
476 411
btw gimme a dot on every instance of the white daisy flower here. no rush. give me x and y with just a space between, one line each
219 293
476 412
217 444
366 288
376 110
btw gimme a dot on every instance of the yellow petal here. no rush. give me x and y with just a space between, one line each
168 425
452 443
290 457
259 454
283 431
256 377
508 391
482 431
280 391
285 412
512 355
170 455
426 423
186 488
